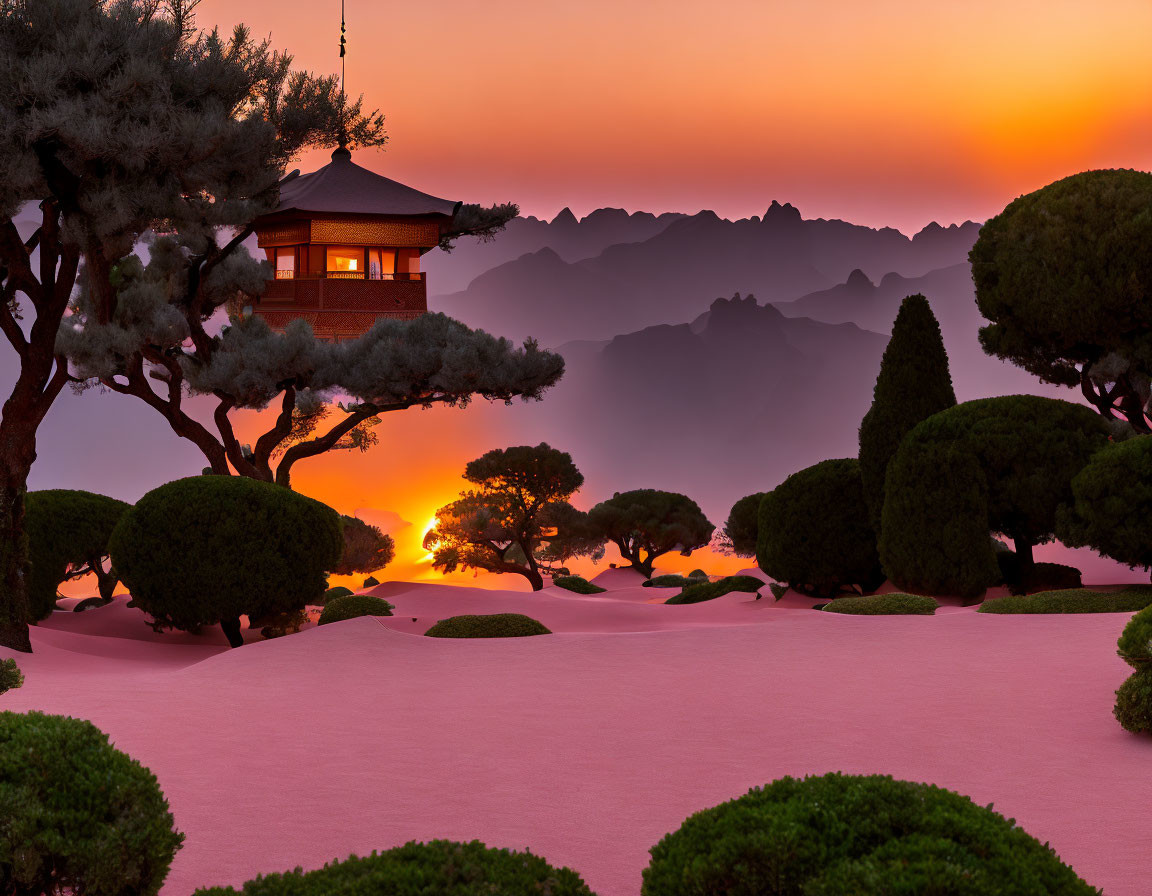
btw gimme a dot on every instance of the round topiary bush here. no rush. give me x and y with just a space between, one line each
673 580
442 867
67 530
10 676
814 532
78 816
1133 708
494 625
705 590
209 549
333 593
864 835
351 606
578 584
1135 644
895 604
370 582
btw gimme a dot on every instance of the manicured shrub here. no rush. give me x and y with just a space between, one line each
370 582
914 383
494 625
841 834
1133 708
1135 644
350 606
578 584
778 590
332 594
695 594
442 867
78 816
814 532
209 549
697 574
1038 577
67 530
10 676
1111 504
993 465
672 581
1074 600
895 604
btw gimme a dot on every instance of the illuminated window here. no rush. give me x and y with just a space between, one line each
381 264
346 262
285 264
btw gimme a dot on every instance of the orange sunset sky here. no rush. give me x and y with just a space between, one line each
894 112
890 113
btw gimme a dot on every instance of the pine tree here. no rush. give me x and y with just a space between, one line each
914 383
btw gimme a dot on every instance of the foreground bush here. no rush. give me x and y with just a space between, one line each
210 549
10 676
896 604
703 591
442 867
1135 644
814 532
78 816
351 606
68 532
1133 708
494 625
579 584
862 835
1073 600
674 581
1037 577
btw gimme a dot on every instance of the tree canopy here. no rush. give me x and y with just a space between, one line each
366 548
646 523
913 384
518 519
1065 279
739 533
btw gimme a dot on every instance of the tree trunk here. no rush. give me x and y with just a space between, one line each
1023 553
13 563
534 577
231 629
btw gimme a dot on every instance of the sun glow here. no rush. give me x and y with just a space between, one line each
427 558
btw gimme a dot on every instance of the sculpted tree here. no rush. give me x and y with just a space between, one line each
366 548
518 519
914 383
646 524
146 126
739 533
1064 276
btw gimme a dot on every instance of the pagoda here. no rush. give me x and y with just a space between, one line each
345 245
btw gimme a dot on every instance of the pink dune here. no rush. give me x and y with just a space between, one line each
590 744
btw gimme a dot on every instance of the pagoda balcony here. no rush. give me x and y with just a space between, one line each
340 307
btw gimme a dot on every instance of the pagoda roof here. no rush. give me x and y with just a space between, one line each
343 187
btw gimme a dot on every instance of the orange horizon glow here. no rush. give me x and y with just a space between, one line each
890 113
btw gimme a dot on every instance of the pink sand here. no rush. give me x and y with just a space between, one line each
590 744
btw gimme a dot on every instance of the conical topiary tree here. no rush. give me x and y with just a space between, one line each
914 383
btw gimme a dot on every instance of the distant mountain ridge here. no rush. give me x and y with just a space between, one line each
627 286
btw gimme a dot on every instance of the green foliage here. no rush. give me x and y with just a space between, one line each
694 594
914 383
366 548
68 534
332 594
672 581
1135 643
370 582
1111 504
350 606
778 590
697 574
1133 708
494 625
10 676
518 519
1064 279
442 868
1072 600
814 532
739 533
209 549
894 604
578 584
841 834
993 465
645 524
79 816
